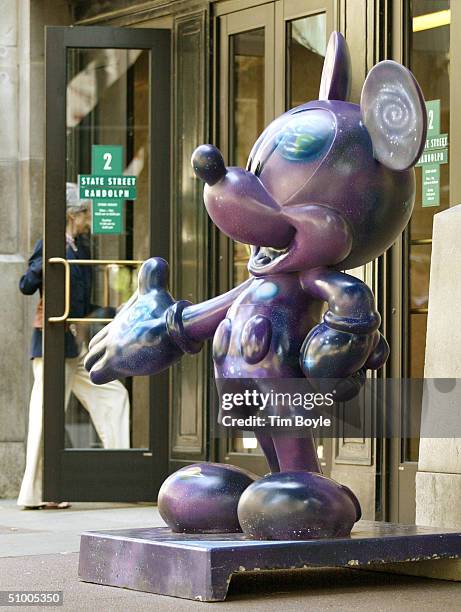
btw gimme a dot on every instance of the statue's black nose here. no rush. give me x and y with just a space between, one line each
208 164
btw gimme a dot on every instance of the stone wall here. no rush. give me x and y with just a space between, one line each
15 375
22 132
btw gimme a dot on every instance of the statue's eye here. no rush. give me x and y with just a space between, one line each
307 136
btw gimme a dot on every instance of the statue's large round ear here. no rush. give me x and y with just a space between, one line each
394 114
336 74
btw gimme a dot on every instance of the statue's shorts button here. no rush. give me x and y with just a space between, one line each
256 339
221 341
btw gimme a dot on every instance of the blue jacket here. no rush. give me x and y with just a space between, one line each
80 295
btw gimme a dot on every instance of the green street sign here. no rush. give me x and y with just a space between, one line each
435 153
436 142
431 185
436 156
106 159
93 186
433 117
107 218
107 187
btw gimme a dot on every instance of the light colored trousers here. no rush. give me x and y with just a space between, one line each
109 409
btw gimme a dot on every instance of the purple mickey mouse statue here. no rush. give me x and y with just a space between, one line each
329 186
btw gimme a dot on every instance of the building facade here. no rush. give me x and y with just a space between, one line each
233 66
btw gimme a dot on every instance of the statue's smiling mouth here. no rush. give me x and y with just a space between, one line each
265 256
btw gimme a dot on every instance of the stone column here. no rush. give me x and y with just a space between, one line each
438 480
22 131
14 379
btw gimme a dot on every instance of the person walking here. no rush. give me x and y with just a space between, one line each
108 405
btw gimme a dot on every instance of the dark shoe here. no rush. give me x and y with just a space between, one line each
56 506
33 507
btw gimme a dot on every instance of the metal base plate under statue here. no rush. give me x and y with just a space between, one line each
200 567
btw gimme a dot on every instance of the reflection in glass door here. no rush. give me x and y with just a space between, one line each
108 104
306 48
246 114
302 29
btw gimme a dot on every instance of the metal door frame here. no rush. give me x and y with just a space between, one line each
96 475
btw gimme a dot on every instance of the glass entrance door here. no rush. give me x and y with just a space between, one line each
271 59
107 194
247 106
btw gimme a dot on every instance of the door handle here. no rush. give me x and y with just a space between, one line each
65 314
86 262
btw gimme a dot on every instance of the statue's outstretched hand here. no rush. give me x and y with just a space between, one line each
143 337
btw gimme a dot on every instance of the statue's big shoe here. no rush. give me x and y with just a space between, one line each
297 506
203 498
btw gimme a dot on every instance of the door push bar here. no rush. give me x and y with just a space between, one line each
87 262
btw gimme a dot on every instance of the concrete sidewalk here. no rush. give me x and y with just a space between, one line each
38 551
42 532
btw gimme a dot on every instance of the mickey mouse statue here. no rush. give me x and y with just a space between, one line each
329 186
